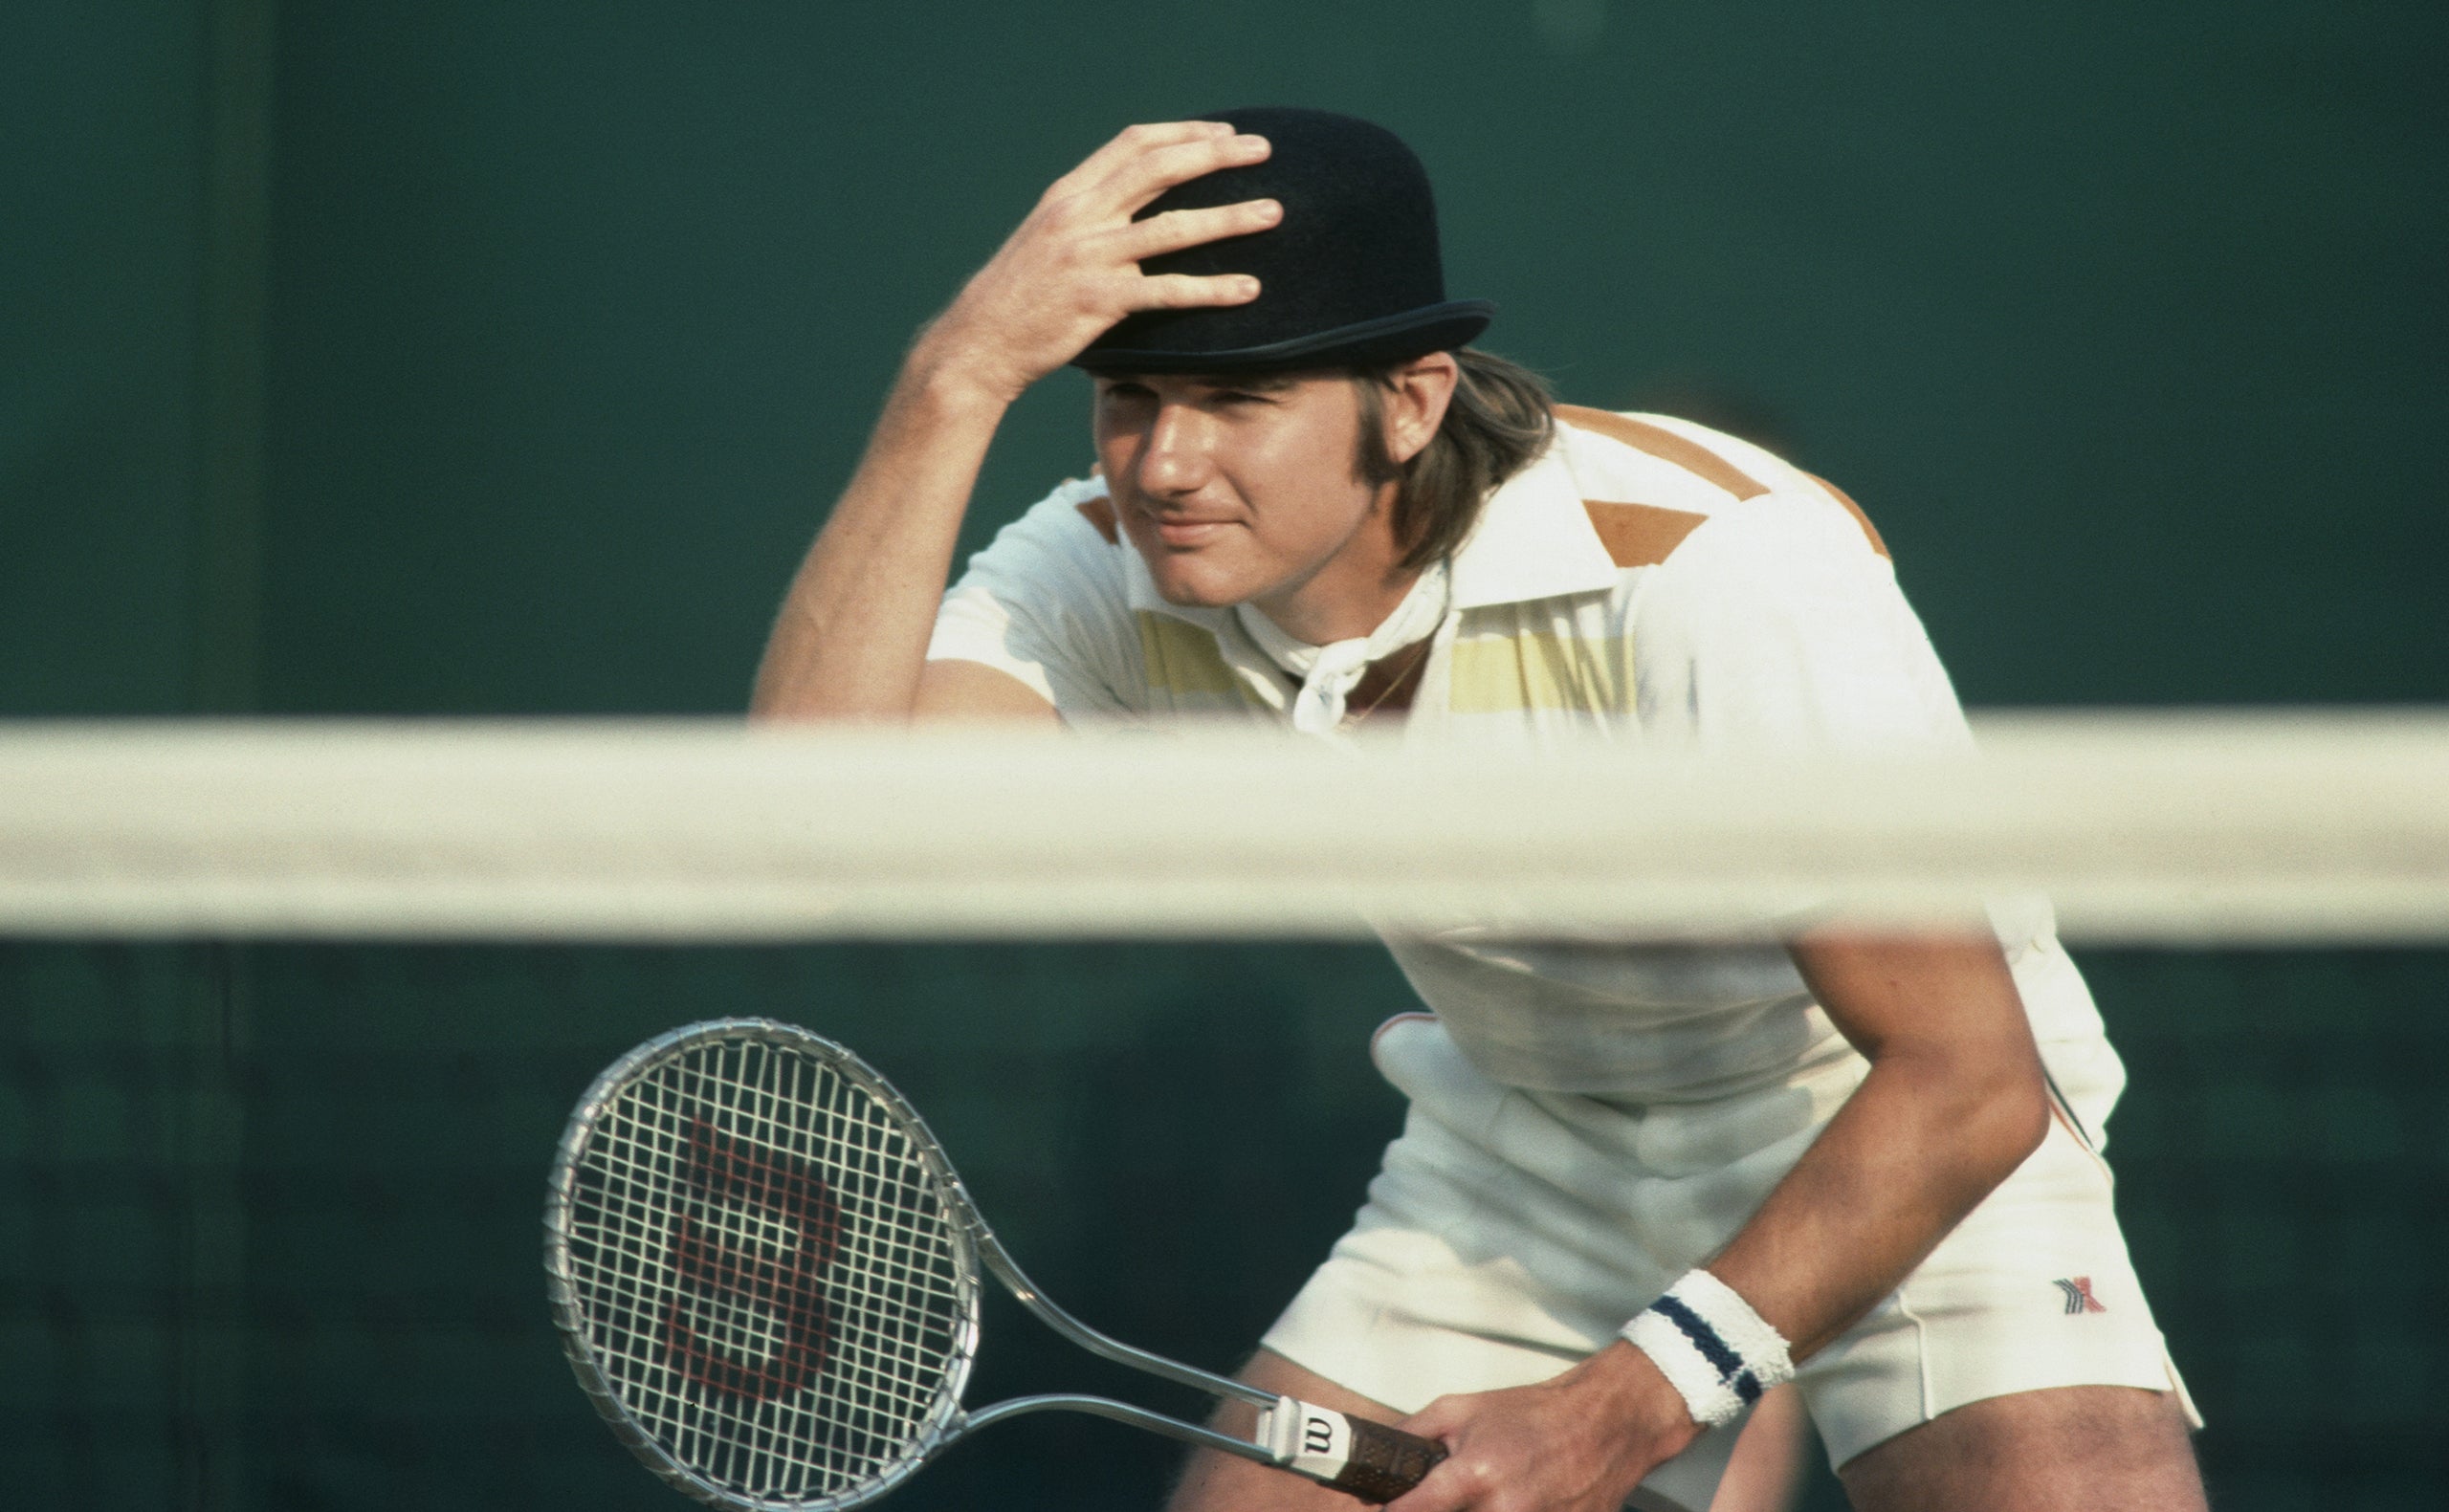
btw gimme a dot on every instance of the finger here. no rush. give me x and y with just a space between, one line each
1175 229
1180 291
1134 179
1438 1491
1136 141
1439 1418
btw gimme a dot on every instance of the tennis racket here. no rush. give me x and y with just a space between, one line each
766 1277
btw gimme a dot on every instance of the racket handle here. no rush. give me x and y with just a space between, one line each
1352 1455
1385 1462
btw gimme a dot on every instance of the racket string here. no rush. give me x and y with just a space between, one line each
831 1242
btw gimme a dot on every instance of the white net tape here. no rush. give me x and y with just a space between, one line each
2179 829
767 1278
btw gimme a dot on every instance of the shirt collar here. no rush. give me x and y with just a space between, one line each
1533 540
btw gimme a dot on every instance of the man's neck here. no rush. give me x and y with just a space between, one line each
1341 612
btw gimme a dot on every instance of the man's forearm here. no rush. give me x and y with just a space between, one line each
851 638
1891 1175
1953 1103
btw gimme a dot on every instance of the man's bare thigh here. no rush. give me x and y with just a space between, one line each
2100 1447
1218 1483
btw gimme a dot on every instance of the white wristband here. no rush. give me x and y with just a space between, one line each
1711 1347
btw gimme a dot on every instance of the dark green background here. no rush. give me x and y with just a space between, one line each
499 357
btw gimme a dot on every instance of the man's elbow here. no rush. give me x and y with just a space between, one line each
2011 1120
1987 1114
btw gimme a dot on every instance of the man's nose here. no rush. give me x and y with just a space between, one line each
1175 461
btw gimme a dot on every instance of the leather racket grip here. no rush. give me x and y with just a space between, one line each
1385 1462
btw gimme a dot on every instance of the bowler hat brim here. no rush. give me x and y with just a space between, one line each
1394 337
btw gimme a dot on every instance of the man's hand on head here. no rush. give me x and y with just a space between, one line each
850 642
1578 1443
1071 268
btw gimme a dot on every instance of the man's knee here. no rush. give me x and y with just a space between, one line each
2103 1448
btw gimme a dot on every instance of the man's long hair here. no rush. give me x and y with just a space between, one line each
1500 420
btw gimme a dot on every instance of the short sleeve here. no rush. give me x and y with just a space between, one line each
1775 626
1045 603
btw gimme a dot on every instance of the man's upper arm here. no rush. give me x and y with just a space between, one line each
1893 988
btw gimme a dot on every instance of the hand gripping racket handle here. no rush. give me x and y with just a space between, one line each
1369 1461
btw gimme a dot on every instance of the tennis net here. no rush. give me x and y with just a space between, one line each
294 1014
2206 828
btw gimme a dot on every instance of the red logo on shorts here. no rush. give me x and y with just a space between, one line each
748 1254
2079 1295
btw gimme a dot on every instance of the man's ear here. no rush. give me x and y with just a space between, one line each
1415 404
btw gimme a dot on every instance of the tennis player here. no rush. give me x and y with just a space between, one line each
1637 1185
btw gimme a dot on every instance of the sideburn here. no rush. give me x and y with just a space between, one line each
1374 465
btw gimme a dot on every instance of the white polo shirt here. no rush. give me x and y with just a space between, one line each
1648 581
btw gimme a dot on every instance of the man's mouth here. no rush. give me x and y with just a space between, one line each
1186 530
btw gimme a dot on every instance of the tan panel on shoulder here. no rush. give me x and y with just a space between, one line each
1640 535
1665 446
1851 508
1100 511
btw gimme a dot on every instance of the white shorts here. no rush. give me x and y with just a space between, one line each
1511 1234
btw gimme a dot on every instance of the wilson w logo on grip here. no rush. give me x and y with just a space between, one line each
749 1248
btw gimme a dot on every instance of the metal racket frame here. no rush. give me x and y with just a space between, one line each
946 1422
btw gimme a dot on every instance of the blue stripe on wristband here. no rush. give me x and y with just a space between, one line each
1722 1359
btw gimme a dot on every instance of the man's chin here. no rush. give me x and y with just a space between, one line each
1193 596
1199 590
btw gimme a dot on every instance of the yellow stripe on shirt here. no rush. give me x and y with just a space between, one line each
1540 669
1182 659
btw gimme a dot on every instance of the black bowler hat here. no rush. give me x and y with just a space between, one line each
1350 277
